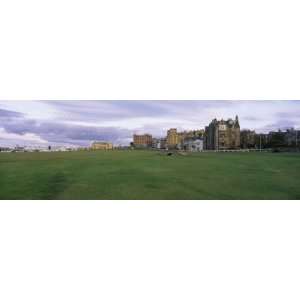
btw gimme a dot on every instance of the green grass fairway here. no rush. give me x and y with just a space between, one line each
149 175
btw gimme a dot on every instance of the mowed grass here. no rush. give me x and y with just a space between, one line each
149 175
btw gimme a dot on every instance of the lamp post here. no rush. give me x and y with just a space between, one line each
260 142
218 141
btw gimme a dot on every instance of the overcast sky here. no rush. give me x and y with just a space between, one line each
81 122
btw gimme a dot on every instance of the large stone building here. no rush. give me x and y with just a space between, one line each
222 135
101 146
142 141
172 138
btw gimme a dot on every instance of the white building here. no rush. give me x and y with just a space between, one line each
193 145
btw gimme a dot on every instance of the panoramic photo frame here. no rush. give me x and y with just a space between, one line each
149 150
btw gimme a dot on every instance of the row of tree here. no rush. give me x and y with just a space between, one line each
278 139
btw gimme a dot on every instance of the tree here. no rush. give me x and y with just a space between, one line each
277 139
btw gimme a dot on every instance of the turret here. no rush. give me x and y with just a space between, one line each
237 124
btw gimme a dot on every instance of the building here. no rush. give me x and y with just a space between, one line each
176 140
291 137
19 148
156 143
142 141
199 133
172 138
4 149
162 143
247 139
222 135
193 144
101 146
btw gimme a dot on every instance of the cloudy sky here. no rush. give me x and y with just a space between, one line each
81 122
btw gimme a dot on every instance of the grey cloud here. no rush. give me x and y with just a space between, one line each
250 118
9 114
63 133
92 111
281 124
288 115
